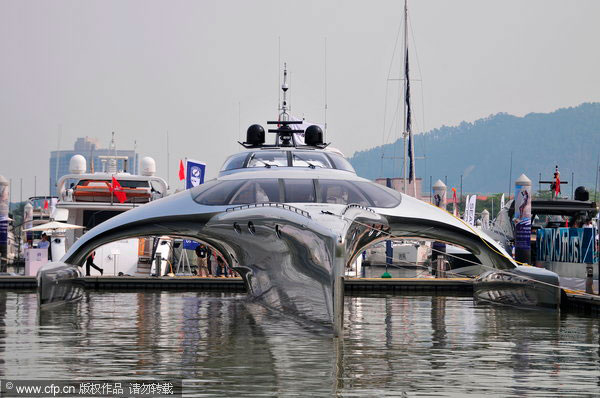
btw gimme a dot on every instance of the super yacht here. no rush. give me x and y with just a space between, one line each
289 217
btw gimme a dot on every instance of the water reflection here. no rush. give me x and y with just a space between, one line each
223 345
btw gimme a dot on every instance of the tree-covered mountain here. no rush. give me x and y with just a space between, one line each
481 151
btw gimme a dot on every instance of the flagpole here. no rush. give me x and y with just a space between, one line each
405 82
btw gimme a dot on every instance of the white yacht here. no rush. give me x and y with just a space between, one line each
88 199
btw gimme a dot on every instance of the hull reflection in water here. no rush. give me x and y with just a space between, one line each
223 346
59 283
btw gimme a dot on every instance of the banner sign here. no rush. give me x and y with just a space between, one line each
572 245
190 244
194 175
470 204
523 235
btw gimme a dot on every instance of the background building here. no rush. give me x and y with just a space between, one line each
90 149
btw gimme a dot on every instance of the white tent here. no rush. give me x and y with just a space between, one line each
54 225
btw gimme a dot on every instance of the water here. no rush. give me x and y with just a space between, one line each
223 345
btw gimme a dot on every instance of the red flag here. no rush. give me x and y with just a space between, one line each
454 206
117 190
46 205
556 181
181 171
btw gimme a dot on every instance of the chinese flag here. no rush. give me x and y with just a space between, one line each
46 205
117 190
181 171
454 207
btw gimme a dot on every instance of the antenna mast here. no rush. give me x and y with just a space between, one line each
283 115
325 138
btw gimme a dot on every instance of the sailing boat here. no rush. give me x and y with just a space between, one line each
408 184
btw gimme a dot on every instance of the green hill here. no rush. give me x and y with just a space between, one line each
481 151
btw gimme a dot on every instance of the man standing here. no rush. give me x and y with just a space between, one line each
202 254
89 262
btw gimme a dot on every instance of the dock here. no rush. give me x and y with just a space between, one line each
577 302
236 284
572 301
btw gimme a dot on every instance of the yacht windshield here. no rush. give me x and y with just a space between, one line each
295 190
268 159
310 159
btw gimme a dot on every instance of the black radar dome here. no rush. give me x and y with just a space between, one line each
313 135
581 193
255 135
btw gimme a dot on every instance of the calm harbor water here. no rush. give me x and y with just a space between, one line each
223 345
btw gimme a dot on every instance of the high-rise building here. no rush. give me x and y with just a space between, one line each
90 149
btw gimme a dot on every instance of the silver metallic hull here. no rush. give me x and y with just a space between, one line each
288 255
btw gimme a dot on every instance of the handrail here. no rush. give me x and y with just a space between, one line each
271 204
355 205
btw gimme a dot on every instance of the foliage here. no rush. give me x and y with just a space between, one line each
481 151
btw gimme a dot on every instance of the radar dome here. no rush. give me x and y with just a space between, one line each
148 166
77 165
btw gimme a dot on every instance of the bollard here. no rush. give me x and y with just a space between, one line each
589 280
440 266
338 307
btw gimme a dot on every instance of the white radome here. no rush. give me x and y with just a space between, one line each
77 164
147 166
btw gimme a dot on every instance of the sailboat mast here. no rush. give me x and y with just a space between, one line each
404 133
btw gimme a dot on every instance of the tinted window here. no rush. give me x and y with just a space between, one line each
309 159
257 191
379 195
340 192
216 192
268 158
134 184
341 163
235 162
299 191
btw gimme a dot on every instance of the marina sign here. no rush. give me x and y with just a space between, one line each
573 245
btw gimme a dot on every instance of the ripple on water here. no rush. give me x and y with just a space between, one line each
223 345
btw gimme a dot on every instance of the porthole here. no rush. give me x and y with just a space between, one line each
237 228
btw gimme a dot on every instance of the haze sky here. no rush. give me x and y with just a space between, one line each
203 71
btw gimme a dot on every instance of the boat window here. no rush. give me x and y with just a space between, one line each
299 190
268 159
257 191
379 195
340 162
310 159
216 192
341 192
235 162
133 184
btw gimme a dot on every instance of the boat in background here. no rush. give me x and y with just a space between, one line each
89 199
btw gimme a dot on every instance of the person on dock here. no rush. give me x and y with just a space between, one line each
89 262
221 268
44 243
202 254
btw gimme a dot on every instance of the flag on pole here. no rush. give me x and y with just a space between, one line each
556 181
46 204
181 171
454 204
117 190
411 144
